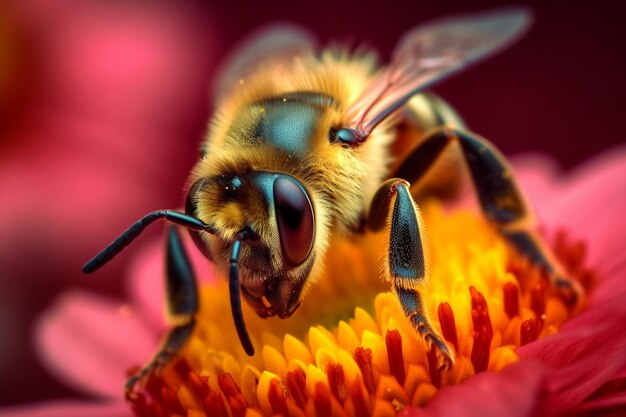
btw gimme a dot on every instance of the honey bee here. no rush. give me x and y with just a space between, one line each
304 147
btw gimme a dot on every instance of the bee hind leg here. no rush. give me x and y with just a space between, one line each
405 261
182 305
498 194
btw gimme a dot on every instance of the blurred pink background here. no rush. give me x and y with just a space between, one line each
103 104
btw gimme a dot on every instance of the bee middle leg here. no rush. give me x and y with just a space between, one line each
182 305
498 194
405 260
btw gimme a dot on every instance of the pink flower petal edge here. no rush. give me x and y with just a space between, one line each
537 175
90 342
69 409
147 280
612 401
146 284
589 349
591 206
585 354
489 394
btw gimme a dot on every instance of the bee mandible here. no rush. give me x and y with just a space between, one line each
300 150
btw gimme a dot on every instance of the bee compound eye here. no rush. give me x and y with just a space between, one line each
347 136
294 216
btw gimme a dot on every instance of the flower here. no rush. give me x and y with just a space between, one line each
574 366
331 357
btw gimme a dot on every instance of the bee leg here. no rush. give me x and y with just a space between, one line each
498 194
182 305
530 245
405 260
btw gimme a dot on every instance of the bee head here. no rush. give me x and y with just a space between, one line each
275 213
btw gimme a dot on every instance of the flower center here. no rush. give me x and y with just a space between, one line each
349 349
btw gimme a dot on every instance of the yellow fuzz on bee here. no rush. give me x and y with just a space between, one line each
349 349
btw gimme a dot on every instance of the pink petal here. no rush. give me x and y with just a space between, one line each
91 342
147 278
147 283
116 86
69 409
592 205
612 401
536 174
587 352
513 392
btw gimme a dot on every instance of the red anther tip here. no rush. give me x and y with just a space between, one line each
448 325
322 400
296 384
277 399
511 299
228 385
433 367
363 358
360 400
538 301
483 332
529 331
337 382
214 405
393 340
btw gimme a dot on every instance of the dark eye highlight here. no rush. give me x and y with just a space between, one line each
294 216
346 136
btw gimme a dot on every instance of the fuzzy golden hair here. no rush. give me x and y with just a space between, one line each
341 181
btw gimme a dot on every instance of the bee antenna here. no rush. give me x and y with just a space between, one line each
135 230
235 297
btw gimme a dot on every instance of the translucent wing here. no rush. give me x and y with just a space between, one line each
430 53
263 47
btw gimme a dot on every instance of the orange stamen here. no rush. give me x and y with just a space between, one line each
448 326
322 400
296 384
236 401
364 361
277 398
483 331
538 302
393 341
529 330
511 299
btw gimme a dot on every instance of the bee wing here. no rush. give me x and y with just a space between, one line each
430 53
269 45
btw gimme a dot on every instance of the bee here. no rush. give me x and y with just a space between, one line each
304 147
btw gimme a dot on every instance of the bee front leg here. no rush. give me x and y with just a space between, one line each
182 305
498 194
405 260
